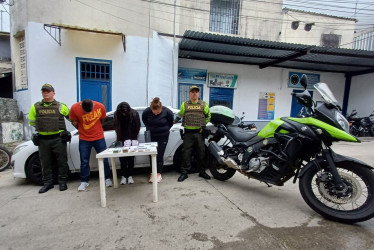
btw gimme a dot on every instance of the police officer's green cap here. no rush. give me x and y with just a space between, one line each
48 86
194 87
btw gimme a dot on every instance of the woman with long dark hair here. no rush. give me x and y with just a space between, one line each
127 126
158 120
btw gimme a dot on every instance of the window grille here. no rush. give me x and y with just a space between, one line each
364 41
224 16
95 72
23 65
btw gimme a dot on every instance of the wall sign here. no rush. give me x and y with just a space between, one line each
266 106
222 80
189 75
294 79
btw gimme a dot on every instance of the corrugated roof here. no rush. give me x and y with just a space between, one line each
233 49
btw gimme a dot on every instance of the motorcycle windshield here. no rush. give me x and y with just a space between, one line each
326 93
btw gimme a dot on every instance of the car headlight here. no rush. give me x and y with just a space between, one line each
342 121
19 148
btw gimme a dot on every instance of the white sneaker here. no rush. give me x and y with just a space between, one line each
83 186
159 177
123 180
108 183
130 180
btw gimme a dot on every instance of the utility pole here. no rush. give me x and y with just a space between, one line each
1 13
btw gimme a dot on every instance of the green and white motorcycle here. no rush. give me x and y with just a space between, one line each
338 187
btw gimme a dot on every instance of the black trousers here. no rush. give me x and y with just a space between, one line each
53 151
193 141
127 166
162 142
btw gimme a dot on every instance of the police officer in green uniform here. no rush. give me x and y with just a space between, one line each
47 116
195 115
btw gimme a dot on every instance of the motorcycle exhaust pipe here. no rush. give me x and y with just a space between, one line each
217 152
231 163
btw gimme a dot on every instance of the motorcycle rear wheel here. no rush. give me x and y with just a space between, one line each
353 130
353 204
372 130
220 172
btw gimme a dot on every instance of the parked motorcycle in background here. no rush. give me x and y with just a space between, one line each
339 188
361 126
249 126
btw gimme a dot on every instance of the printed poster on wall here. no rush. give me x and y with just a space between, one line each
189 75
294 80
222 80
266 106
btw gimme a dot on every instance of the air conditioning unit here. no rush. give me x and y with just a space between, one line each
330 40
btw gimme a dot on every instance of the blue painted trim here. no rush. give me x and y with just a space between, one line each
78 71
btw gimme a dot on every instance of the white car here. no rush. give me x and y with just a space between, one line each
26 162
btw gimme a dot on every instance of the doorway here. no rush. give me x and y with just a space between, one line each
95 81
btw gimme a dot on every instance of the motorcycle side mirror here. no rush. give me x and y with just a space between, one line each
304 81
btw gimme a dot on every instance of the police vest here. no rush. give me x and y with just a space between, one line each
49 119
194 114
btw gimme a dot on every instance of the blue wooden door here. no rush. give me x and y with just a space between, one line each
221 96
95 82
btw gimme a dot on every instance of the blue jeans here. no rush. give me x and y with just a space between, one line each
85 152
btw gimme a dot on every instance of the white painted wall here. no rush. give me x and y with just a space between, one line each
252 81
49 62
361 95
163 70
322 25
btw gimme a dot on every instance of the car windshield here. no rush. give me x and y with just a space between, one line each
326 93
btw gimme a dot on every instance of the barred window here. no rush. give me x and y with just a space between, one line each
23 65
224 16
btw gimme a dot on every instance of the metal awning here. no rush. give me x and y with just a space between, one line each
233 49
54 30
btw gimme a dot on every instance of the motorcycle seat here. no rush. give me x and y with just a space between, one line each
241 135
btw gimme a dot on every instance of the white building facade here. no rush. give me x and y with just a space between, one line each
113 51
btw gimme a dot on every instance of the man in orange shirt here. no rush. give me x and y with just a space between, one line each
87 116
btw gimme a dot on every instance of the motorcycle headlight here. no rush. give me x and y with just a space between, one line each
344 124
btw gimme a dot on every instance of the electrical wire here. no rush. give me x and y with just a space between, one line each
5 9
197 26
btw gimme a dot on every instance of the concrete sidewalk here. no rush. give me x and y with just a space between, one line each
194 214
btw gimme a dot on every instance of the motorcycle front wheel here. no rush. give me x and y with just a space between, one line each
219 171
353 204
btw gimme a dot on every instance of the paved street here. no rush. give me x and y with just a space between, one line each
195 214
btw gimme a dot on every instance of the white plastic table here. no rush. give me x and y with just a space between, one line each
108 153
